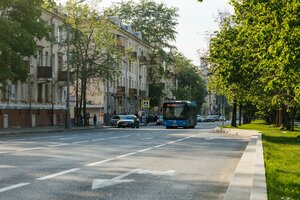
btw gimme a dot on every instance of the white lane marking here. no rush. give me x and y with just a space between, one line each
68 138
34 148
3 152
57 174
17 140
171 142
125 136
161 145
13 187
100 162
143 150
55 136
101 139
101 183
80 142
125 155
149 138
180 140
57 145
113 138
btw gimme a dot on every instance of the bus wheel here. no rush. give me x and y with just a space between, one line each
168 127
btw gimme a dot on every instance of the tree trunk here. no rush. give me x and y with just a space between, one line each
240 115
84 101
233 121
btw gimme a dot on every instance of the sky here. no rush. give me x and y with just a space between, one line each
196 22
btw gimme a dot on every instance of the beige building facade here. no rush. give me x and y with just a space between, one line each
40 101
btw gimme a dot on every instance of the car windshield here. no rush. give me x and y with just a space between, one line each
128 117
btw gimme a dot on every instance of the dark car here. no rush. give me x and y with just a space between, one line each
160 120
128 121
114 120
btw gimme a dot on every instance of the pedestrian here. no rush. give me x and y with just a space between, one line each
95 119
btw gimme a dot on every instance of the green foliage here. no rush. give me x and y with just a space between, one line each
155 93
255 55
156 21
190 84
20 26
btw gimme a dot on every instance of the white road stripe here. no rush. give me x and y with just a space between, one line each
143 150
100 162
149 138
57 145
34 148
57 174
80 142
101 139
3 152
125 155
161 145
68 138
13 187
171 142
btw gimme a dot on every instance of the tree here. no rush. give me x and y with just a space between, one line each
190 84
157 23
21 25
93 48
274 35
255 56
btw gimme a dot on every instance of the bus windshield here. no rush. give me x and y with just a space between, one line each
175 111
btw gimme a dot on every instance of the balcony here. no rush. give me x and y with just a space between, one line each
143 59
62 75
132 92
133 55
120 90
142 93
44 72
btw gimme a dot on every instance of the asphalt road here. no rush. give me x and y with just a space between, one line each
150 163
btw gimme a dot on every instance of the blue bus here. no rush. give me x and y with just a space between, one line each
179 114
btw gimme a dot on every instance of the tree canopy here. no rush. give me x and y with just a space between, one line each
255 55
21 25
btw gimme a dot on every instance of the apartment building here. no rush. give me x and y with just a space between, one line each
40 101
131 87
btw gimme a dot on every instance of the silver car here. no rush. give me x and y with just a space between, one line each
114 120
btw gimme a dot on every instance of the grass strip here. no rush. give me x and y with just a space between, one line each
282 160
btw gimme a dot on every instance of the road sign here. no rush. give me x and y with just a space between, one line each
145 104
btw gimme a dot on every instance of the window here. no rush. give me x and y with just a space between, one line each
23 91
60 61
47 58
40 59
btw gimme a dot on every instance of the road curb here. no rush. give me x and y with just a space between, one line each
248 181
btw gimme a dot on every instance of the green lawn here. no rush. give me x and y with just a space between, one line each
282 160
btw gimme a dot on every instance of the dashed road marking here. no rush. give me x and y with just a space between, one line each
57 174
13 187
100 162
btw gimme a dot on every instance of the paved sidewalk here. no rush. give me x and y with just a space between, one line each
248 181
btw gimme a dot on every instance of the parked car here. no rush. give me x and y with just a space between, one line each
209 118
114 120
200 118
128 121
222 118
160 120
